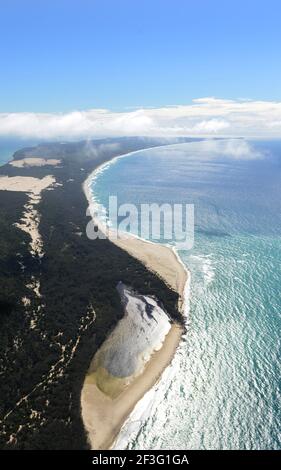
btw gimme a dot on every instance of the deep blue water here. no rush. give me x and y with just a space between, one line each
9 145
226 392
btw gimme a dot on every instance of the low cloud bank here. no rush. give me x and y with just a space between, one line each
203 117
237 149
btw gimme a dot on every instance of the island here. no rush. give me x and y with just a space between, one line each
64 299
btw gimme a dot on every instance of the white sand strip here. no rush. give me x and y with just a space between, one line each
103 416
26 184
34 161
29 223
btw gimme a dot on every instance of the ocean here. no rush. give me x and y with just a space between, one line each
10 145
222 390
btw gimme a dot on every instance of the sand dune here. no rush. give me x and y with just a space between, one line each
26 184
34 161
103 412
30 220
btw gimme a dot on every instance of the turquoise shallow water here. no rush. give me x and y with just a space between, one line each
226 390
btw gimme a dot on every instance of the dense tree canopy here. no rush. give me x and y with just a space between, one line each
46 345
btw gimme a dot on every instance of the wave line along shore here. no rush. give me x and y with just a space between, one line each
103 416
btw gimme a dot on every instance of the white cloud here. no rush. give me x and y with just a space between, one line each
204 116
238 149
211 126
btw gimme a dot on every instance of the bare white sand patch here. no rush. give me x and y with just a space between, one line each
29 223
35 286
103 414
36 161
124 354
26 184
26 301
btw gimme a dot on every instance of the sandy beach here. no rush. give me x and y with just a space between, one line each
103 415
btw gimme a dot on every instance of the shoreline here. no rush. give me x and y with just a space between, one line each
144 250
102 416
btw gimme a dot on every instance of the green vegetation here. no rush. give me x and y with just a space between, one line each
46 346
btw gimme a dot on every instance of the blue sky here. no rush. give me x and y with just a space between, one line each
64 55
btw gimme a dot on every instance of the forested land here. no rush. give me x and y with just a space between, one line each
46 345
